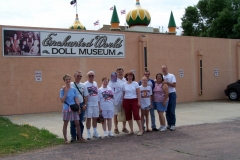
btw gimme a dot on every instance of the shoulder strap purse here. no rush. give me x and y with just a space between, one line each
74 107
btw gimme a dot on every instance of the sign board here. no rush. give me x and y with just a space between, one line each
216 72
38 76
181 73
50 43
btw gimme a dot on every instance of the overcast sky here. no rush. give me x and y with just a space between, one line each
60 14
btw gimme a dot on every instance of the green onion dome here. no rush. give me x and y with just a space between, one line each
77 24
138 16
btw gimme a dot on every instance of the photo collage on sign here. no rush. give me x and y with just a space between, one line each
21 43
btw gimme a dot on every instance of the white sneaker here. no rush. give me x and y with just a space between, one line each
110 134
105 135
89 136
160 128
163 129
96 135
172 128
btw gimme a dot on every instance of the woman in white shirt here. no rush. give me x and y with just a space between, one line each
105 101
131 102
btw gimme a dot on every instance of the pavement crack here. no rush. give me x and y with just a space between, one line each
190 154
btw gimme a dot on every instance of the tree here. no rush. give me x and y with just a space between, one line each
212 18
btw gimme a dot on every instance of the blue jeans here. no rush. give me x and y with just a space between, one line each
152 116
73 126
170 113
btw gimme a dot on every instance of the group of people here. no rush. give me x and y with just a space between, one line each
120 93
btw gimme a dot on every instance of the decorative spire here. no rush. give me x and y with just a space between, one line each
138 16
77 24
137 3
172 25
115 18
171 21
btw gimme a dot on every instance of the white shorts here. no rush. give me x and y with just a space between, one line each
92 112
107 113
117 108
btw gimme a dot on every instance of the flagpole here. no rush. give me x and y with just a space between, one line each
76 6
99 25
125 14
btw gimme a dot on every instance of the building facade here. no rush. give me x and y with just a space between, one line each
203 67
34 60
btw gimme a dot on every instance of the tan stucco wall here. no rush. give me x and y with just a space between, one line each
21 94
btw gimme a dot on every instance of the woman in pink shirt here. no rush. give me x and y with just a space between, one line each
160 100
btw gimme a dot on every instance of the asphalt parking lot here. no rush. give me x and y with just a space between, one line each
205 130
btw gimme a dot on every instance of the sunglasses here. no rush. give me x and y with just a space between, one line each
147 74
79 76
90 75
67 79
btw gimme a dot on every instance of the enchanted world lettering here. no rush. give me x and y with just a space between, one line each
98 42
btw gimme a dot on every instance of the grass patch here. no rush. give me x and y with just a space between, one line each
21 138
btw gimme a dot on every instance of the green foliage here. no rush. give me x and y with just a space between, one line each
212 18
20 138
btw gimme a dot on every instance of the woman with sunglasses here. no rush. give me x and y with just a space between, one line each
131 102
68 96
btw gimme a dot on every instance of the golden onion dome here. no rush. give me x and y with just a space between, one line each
77 24
138 16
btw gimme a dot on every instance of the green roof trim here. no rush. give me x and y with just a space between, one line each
78 27
138 21
115 18
81 28
171 21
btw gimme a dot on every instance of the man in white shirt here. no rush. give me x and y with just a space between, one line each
117 88
170 80
92 111
81 96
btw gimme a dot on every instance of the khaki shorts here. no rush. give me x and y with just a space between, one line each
117 108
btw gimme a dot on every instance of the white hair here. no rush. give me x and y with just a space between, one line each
91 72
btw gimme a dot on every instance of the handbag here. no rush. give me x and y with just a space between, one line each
74 107
121 116
80 92
100 119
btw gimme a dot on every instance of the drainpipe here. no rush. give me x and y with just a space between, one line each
238 60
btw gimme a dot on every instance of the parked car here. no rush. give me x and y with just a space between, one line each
233 91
